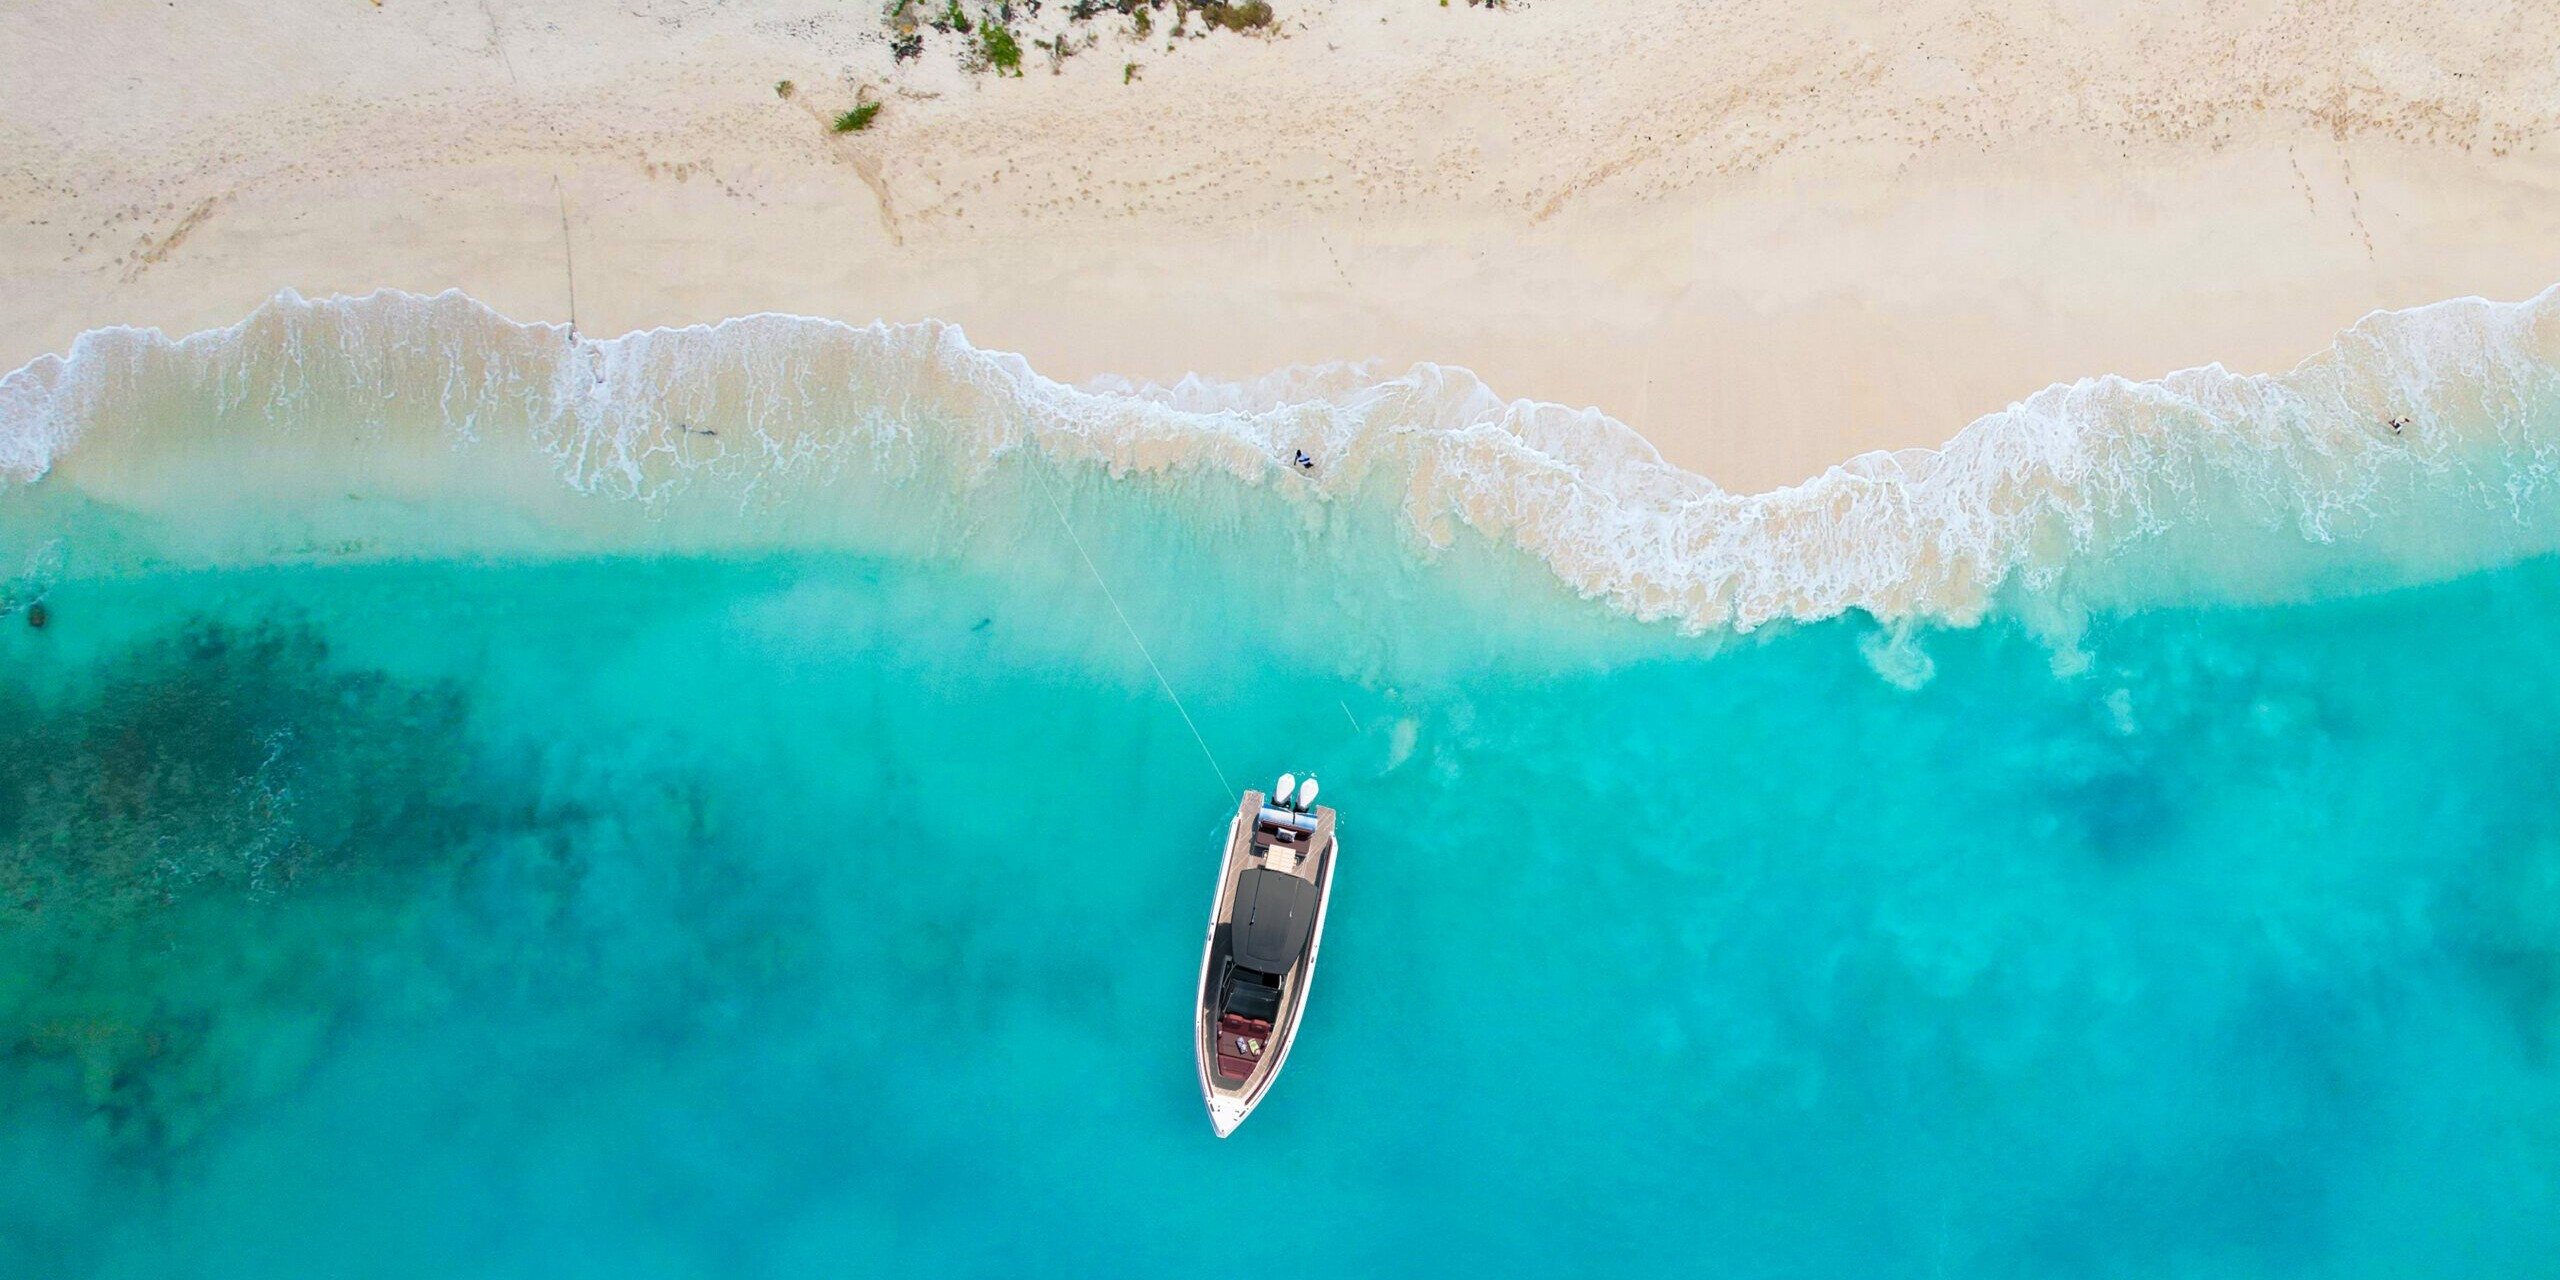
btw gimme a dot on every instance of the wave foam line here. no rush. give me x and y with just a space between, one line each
2018 500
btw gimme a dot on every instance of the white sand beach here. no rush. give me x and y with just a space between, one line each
1767 235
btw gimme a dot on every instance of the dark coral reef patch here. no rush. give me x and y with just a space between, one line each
216 827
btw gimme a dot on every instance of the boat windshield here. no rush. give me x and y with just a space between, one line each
1254 1000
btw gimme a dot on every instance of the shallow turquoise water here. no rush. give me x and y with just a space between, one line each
760 915
816 887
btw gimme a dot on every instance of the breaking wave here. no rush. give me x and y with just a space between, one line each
2252 485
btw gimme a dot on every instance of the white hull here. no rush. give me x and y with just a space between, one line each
1230 1099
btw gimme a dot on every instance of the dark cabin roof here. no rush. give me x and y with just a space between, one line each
1274 913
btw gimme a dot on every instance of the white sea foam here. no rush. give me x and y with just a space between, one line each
2278 470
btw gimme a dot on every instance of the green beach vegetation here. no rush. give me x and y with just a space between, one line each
858 118
991 37
997 45
1252 15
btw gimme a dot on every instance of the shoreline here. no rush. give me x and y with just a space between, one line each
1775 283
2416 447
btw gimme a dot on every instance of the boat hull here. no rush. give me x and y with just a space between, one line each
1231 1098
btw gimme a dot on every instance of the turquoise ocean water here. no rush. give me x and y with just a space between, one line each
490 803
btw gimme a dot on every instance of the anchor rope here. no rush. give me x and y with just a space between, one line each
1224 790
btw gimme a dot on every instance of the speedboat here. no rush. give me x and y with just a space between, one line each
1265 927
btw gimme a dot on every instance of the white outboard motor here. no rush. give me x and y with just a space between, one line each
1307 794
1280 794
